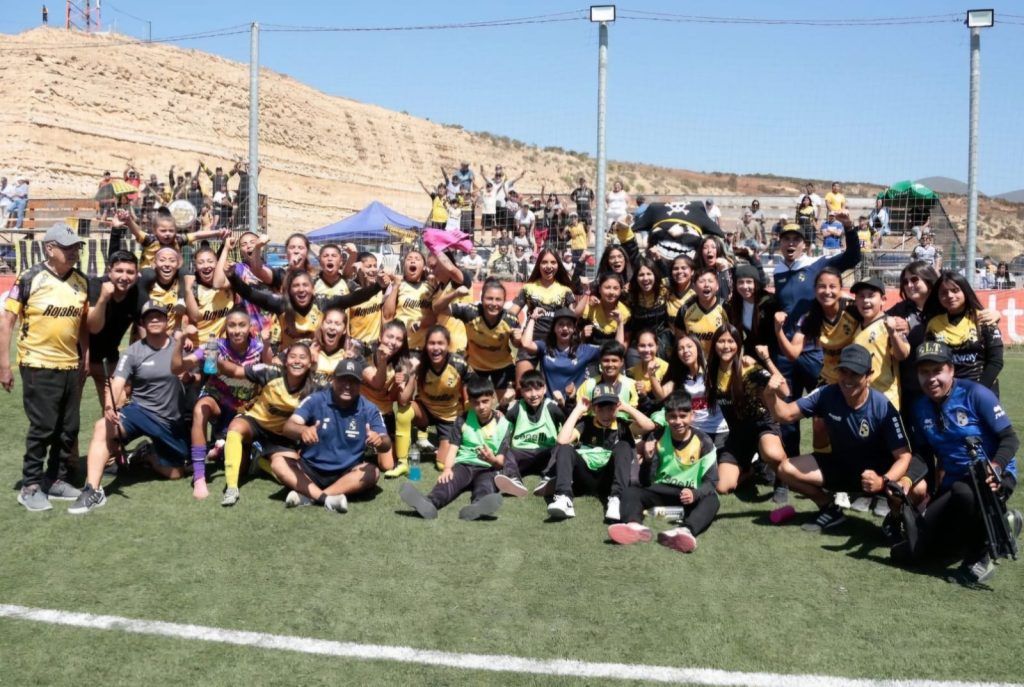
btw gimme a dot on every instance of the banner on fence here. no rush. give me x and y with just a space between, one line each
92 259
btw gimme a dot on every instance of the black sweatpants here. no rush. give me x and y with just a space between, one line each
952 523
527 461
52 399
475 477
573 477
697 516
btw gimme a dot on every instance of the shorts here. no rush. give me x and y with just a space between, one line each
444 427
522 355
324 478
270 443
739 447
170 441
502 378
488 221
840 475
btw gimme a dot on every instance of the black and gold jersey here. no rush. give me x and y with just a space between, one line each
490 348
414 303
441 392
971 343
275 402
885 369
366 319
701 323
214 305
51 310
323 292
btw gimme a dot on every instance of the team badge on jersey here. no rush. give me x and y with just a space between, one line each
961 418
351 432
864 430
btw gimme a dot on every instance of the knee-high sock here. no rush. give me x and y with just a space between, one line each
403 431
198 463
232 459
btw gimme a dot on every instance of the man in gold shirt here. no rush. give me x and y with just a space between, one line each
51 301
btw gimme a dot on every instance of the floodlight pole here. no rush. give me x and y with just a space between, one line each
972 157
600 221
254 127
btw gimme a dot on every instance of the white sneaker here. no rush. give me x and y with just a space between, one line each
861 504
612 511
680 539
510 486
294 499
424 444
561 508
842 499
337 504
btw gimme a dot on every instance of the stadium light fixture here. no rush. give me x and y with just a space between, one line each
976 19
603 14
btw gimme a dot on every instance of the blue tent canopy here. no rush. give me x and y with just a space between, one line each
372 222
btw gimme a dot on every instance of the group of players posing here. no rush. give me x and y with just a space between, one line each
661 384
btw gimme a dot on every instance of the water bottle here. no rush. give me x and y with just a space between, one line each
210 357
414 463
665 512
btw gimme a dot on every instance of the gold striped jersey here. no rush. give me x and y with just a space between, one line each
885 369
214 305
323 292
701 323
366 319
51 310
275 402
490 348
441 392
414 303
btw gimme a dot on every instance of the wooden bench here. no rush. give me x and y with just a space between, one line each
42 213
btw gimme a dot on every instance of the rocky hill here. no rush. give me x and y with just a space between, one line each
76 105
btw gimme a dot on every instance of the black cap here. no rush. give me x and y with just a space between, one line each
872 283
792 228
856 359
349 367
934 352
604 393
564 312
747 272
151 306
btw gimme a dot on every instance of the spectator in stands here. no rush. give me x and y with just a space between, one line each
927 252
773 245
751 226
866 237
488 201
525 222
473 263
879 218
438 206
714 212
831 235
463 177
806 217
578 238
6 200
616 204
1003 279
194 195
524 262
835 201
554 213
20 203
241 218
105 195
816 201
502 263
583 197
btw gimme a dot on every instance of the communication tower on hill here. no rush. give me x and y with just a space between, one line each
83 15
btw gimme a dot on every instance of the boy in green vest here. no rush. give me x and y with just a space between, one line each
534 422
612 363
682 472
595 452
478 435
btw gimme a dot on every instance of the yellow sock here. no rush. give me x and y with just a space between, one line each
403 432
232 459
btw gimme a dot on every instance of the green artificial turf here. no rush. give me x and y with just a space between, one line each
753 597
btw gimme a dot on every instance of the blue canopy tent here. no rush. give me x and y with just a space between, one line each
375 221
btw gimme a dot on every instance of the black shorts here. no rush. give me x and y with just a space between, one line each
324 478
488 222
841 475
740 447
522 355
502 378
270 443
444 427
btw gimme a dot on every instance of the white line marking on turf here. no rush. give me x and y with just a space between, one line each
445 659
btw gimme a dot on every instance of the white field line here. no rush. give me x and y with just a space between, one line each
493 663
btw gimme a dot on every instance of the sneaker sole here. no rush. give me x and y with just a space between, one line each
508 486
35 510
683 543
626 535
62 498
482 508
559 514
417 501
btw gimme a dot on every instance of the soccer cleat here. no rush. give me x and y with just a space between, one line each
59 490
561 508
88 500
337 503
629 533
510 486
231 496
861 504
401 469
613 510
484 506
545 488
138 453
34 499
294 499
417 501
680 539
828 517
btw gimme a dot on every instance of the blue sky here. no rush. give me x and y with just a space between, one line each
879 104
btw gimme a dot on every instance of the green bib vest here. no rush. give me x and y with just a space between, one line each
474 436
530 435
685 467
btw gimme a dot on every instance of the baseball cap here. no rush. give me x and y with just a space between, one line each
564 312
152 305
873 283
792 228
709 201
604 393
856 359
933 352
62 235
350 367
747 272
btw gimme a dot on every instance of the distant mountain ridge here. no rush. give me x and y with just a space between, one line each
944 185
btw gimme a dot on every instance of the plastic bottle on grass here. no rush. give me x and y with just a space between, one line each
414 463
210 357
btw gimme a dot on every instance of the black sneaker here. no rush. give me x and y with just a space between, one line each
828 517
977 572
892 529
420 503
486 505
88 500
